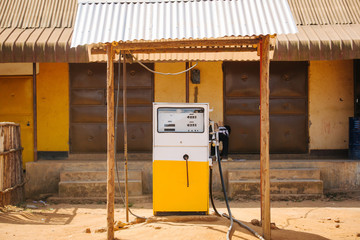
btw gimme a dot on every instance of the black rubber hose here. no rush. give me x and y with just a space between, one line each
225 215
211 193
229 232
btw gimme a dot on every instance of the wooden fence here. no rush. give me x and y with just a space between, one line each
11 171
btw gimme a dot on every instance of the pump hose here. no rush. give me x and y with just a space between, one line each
230 231
227 204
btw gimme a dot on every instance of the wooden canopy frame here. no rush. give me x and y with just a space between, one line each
261 44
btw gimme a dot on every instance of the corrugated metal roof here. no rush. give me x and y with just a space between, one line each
325 12
30 32
37 13
319 42
122 21
39 45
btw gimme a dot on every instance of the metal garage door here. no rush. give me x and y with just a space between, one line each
88 108
288 106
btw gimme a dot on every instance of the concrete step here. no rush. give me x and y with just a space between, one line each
284 173
287 186
96 175
99 200
96 188
102 156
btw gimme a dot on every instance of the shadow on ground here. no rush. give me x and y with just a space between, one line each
37 218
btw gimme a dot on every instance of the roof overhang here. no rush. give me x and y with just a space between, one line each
328 33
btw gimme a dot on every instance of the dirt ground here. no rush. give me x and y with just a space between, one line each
310 220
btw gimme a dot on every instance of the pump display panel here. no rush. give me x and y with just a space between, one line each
180 120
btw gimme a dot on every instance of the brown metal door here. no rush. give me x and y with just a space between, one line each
88 108
288 106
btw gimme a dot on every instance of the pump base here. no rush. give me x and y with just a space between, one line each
179 213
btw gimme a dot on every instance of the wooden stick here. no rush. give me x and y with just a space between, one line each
125 141
110 144
264 136
11 150
35 112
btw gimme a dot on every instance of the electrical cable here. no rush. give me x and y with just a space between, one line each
224 214
153 71
115 138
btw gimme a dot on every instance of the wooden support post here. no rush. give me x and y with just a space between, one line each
110 143
125 141
35 111
264 136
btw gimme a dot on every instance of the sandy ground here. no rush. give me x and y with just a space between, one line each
297 220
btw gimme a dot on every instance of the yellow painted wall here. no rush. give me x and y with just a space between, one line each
330 103
16 105
210 89
170 88
53 107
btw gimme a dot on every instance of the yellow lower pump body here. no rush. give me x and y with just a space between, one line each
178 190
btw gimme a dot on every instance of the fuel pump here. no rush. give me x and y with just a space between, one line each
180 158
182 170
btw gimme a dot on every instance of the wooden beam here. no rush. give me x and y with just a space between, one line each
186 43
264 136
184 50
110 143
35 112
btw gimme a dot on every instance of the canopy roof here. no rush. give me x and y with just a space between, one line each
129 21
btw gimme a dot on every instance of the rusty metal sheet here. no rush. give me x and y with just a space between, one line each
87 96
137 96
87 75
98 97
91 138
245 133
242 79
88 108
288 134
97 114
251 106
286 80
288 106
242 106
136 75
139 137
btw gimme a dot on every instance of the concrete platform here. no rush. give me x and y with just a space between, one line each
338 175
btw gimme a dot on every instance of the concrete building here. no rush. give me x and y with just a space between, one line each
314 79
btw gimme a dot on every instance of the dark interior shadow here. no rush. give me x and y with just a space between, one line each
37 218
